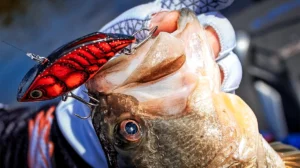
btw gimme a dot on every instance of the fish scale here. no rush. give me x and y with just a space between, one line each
191 144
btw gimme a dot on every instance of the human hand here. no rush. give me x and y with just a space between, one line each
218 29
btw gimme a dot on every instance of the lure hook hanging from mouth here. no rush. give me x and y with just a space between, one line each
132 50
89 104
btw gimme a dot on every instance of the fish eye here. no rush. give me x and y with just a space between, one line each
130 130
36 94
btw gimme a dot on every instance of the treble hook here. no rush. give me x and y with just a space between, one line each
89 104
132 50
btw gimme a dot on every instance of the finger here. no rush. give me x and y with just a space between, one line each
232 71
213 40
214 21
230 66
167 22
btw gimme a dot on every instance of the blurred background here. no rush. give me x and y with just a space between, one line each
268 45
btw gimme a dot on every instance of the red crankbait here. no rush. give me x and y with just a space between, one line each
70 66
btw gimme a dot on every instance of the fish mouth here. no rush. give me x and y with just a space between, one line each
163 72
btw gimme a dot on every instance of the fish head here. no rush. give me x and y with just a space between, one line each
163 106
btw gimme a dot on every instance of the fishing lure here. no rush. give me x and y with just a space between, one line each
72 65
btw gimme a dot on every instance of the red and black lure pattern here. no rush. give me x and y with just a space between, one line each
71 66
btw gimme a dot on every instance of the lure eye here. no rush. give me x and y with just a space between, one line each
35 94
130 130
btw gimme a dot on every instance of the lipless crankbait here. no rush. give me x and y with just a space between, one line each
72 65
